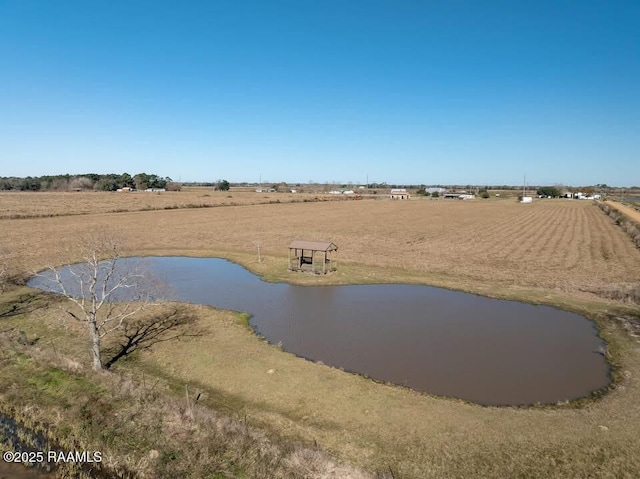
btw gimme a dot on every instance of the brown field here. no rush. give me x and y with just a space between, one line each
15 205
558 252
566 246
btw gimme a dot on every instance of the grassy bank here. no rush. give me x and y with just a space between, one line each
145 425
267 400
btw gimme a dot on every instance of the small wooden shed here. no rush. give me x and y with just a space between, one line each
317 257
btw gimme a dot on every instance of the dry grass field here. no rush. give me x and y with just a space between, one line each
559 252
15 205
558 245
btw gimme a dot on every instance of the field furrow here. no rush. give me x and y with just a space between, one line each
557 244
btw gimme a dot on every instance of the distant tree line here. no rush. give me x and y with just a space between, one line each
89 181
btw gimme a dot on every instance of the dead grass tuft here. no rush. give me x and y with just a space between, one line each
625 293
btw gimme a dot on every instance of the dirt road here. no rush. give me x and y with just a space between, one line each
627 210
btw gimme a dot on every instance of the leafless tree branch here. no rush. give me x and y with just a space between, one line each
107 295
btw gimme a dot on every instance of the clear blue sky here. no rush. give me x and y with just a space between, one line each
470 92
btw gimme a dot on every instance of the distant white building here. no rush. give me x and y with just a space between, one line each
399 194
458 196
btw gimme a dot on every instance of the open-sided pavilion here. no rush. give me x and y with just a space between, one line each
313 256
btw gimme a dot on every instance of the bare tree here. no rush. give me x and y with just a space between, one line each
106 294
81 183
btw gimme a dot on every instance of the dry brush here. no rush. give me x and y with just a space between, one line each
628 225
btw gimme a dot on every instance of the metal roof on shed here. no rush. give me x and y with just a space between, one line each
313 245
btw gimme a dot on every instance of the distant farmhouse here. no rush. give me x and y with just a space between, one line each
458 196
399 194
579 195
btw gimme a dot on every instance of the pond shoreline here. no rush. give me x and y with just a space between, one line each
430 339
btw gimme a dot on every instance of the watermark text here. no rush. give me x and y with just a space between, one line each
52 456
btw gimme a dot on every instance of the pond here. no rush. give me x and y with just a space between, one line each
443 342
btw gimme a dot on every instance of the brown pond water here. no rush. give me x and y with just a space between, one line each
443 342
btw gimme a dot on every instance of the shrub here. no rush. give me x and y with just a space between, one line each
551 191
222 185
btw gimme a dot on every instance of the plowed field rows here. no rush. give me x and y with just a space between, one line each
559 244
551 250
33 205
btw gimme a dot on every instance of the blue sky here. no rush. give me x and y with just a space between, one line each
468 92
